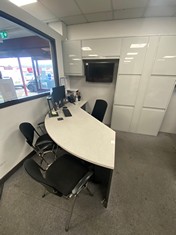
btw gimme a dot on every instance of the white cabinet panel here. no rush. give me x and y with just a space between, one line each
150 121
72 58
133 55
159 91
165 62
121 118
95 48
126 89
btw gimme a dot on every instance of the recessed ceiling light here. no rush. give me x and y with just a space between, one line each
169 56
76 59
129 58
132 53
93 55
139 45
86 49
20 3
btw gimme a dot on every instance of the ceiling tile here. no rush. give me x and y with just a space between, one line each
70 20
92 6
101 16
39 11
61 8
125 4
162 3
159 11
129 13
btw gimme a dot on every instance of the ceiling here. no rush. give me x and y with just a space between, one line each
84 11
14 30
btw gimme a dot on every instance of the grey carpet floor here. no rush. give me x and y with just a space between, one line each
142 199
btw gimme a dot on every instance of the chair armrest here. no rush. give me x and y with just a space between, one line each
42 148
81 183
40 124
44 142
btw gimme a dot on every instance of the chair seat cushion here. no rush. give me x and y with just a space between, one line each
65 173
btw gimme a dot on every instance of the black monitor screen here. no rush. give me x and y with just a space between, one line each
99 71
58 94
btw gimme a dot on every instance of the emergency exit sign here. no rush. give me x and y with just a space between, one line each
3 34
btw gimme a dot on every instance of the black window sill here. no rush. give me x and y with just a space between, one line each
22 100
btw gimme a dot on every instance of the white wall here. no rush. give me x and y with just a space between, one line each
13 147
12 144
125 28
169 122
92 91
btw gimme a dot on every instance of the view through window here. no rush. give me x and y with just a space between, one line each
26 67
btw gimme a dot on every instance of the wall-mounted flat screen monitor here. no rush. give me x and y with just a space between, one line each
100 70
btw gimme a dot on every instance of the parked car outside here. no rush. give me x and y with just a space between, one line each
43 84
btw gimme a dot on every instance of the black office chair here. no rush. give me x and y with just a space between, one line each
99 109
43 144
66 177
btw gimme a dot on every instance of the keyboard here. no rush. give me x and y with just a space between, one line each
66 112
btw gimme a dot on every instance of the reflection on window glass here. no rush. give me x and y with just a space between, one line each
26 66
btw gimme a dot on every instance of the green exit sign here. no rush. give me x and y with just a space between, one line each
3 34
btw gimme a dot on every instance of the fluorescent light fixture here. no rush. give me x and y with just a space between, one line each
169 56
129 58
127 61
76 59
132 53
20 3
71 55
86 49
139 45
93 55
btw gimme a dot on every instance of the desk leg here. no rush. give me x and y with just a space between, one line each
103 176
1 189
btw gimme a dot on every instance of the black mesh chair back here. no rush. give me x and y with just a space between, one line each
35 172
99 109
66 176
28 131
42 145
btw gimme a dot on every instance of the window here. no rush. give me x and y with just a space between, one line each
27 57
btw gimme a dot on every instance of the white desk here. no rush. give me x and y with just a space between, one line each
84 136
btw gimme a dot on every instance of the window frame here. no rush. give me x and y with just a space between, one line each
53 56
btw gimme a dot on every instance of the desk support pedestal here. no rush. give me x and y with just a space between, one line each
103 176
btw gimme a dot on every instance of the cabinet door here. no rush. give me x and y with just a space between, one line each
72 58
150 121
121 117
126 89
96 48
166 56
159 91
133 55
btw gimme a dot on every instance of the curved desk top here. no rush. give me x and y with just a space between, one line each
83 136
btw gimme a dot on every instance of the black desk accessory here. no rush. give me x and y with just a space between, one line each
71 99
51 113
66 112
